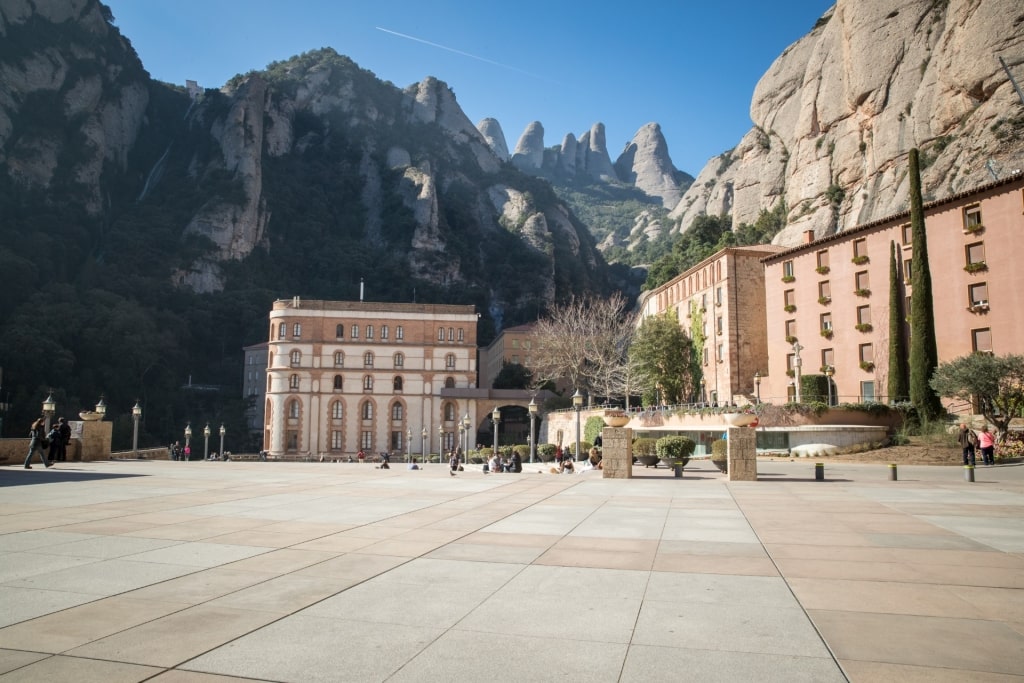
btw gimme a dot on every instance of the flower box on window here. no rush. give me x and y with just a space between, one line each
790 339
867 365
976 267
791 373
973 229
863 327
824 300
827 333
789 308
859 260
789 278
862 292
822 270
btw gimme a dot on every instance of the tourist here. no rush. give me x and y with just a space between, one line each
967 440
37 434
54 438
515 464
987 444
65 439
453 463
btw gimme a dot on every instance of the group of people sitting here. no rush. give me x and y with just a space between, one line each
567 466
510 463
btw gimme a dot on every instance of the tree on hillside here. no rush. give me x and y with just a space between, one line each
897 382
513 376
584 342
995 382
924 354
660 352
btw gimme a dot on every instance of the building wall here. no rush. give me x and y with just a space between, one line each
374 413
957 322
254 385
512 345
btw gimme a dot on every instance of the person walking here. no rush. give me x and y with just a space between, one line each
987 444
37 434
967 441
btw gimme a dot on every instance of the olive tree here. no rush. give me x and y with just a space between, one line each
995 382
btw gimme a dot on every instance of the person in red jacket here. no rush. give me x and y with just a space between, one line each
987 444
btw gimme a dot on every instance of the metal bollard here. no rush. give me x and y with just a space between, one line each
819 471
968 472
892 472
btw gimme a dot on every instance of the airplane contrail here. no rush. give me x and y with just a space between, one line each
464 54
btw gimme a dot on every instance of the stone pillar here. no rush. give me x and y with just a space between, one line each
94 438
742 454
617 453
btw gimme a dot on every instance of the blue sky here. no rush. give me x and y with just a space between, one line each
690 66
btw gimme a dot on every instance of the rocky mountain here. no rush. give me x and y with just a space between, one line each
837 112
164 220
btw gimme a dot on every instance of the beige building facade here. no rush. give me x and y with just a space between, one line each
512 345
345 376
828 300
726 290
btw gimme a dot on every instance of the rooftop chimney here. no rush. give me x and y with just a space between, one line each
808 236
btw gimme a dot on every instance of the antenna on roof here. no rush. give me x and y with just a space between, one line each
360 289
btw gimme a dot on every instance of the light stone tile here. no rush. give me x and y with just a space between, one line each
80 671
645 663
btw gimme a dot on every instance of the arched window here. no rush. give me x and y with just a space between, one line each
293 382
339 359
281 330
449 412
397 384
449 360
339 331
337 410
367 410
368 359
399 360
368 383
397 412
337 382
293 408
449 382
296 357
369 331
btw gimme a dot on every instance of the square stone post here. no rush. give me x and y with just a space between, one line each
742 454
617 453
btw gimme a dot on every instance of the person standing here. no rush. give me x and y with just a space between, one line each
987 444
967 441
65 439
54 438
37 434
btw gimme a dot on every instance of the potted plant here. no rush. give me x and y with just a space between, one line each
720 454
645 451
675 450
546 452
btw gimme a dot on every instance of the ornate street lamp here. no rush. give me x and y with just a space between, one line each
101 408
533 430
829 371
577 404
188 436
206 441
408 444
440 443
467 424
423 446
222 433
49 408
757 385
136 416
495 418
797 362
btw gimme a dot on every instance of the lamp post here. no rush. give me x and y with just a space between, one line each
462 434
136 416
757 385
206 441
440 443
796 367
577 404
466 424
101 407
188 437
829 371
408 444
495 419
222 433
49 408
703 385
423 446
533 431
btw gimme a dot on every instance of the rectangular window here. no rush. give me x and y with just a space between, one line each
863 282
355 332
704 300
823 259
515 359
789 297
336 443
790 362
976 253
826 322
824 290
787 269
705 356
399 332
451 334
867 392
383 331
281 329
860 248
462 335
515 343
339 359
972 218
718 296
977 294
863 315
297 330
908 233
721 353
828 358
366 441
396 440
907 270
369 331
867 353
718 325
440 334
981 340
790 329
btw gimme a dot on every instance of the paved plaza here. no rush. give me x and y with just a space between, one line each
208 572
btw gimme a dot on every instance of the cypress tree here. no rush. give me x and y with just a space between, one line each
924 355
898 390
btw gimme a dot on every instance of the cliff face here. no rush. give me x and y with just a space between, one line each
837 112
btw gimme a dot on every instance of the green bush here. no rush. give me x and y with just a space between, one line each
675 448
523 450
719 449
645 446
585 447
547 449
592 427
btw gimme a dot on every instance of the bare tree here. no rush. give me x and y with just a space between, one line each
584 342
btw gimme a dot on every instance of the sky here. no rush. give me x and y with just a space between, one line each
689 66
